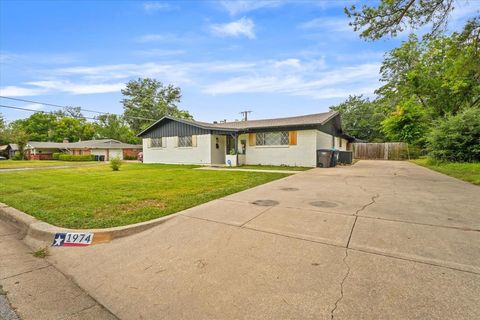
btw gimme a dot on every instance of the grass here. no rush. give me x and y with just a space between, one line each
41 253
261 167
97 197
469 172
6 164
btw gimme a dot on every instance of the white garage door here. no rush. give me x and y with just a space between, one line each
116 153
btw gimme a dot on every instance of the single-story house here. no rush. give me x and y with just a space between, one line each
108 148
292 141
39 150
8 150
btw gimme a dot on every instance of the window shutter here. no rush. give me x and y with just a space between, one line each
149 142
252 137
164 142
292 138
176 142
194 141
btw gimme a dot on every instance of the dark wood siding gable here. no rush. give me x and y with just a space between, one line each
171 128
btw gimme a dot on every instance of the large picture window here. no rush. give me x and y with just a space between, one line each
155 142
278 138
185 141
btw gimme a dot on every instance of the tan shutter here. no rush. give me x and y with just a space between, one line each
194 141
292 138
176 142
252 139
149 142
164 142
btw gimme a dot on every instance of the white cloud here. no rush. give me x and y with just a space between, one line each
241 27
305 77
336 83
152 38
235 7
77 88
152 6
16 91
330 24
289 63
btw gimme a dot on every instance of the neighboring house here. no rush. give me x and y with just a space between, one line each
107 148
292 141
8 150
38 150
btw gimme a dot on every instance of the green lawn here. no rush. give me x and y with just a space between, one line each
260 167
469 172
38 163
97 197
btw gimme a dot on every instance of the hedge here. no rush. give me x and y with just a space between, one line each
70 157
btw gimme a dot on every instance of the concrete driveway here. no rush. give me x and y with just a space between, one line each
378 240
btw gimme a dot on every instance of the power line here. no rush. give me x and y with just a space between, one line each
41 111
80 108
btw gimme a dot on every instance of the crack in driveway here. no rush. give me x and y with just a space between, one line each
341 284
346 254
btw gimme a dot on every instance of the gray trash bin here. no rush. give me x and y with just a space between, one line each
324 158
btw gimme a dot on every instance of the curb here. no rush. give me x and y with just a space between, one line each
38 234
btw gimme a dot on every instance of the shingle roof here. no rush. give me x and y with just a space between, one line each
313 119
103 144
47 145
310 119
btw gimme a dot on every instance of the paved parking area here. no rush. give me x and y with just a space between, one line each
372 241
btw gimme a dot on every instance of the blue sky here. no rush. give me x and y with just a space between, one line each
276 58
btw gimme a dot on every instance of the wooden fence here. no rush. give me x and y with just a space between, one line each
381 151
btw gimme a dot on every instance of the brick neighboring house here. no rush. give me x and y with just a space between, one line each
106 148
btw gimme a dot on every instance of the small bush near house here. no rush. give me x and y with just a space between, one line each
129 158
71 157
115 164
55 156
17 157
457 138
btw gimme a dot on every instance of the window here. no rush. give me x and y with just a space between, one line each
272 138
185 141
155 142
340 142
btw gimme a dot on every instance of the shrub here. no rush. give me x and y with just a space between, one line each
17 156
457 138
71 157
115 164
130 158
55 156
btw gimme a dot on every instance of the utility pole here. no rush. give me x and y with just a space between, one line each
245 114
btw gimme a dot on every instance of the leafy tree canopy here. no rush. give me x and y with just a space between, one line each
443 73
361 118
115 127
391 17
147 100
409 123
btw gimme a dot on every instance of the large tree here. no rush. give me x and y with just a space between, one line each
147 100
56 127
391 17
115 127
361 118
443 72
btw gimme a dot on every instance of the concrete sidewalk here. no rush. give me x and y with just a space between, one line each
37 290
377 240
